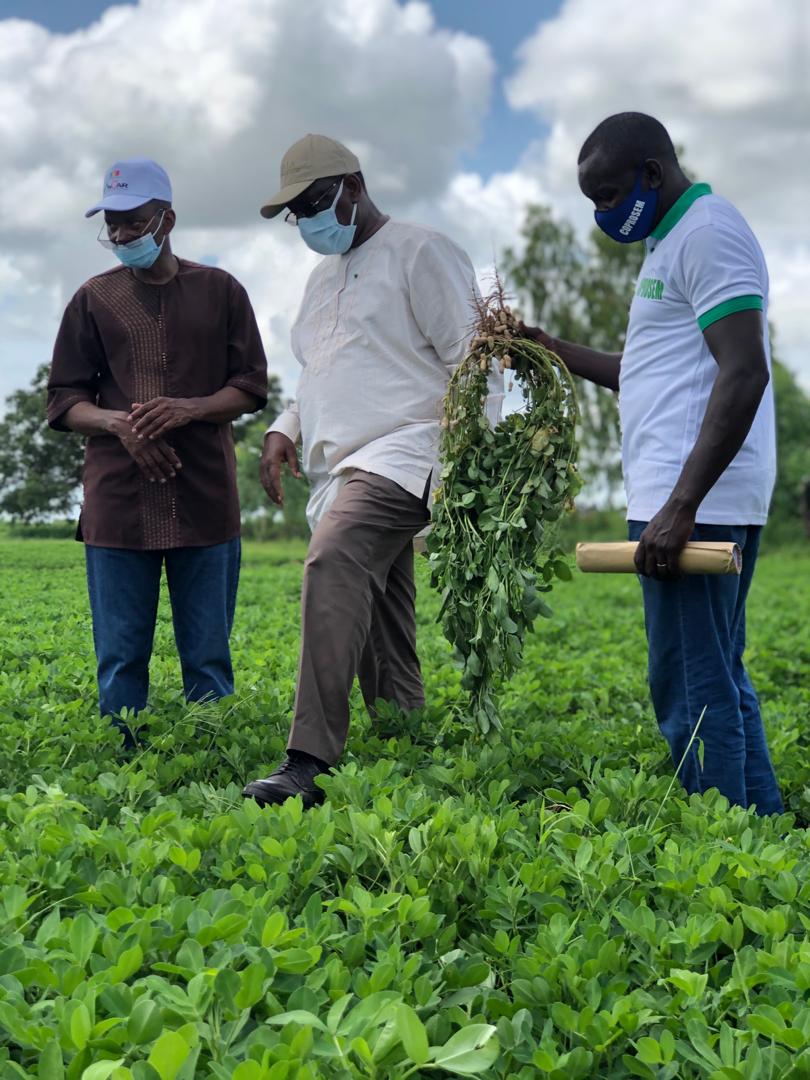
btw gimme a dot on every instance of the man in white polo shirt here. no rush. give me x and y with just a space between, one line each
698 445
385 318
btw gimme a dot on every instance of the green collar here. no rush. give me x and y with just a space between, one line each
678 209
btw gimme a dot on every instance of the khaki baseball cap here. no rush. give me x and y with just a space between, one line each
308 160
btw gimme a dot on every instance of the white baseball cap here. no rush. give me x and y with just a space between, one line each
132 183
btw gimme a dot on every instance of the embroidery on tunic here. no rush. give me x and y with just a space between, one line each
138 309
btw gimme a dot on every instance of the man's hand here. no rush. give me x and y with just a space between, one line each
534 333
659 549
598 367
277 449
154 456
161 415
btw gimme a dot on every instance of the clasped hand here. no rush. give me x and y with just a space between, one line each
140 434
161 415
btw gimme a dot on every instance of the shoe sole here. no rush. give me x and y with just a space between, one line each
261 796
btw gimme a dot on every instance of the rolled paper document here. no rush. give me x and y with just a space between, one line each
698 557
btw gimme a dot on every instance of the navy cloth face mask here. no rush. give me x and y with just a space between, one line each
633 218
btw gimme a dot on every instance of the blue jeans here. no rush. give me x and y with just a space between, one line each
124 587
696 637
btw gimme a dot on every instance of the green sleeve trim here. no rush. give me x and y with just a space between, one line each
729 307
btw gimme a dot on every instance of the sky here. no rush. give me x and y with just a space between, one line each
462 112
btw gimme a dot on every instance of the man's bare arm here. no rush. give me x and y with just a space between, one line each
597 367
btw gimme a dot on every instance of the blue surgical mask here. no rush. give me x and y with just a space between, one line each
323 232
633 218
140 253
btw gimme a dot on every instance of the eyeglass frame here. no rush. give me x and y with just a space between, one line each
110 245
291 218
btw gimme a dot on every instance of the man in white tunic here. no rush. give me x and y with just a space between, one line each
385 318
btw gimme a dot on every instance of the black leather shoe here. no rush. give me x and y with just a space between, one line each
294 776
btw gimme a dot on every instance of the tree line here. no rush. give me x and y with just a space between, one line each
577 290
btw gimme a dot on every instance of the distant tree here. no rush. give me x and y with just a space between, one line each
792 451
260 517
580 292
40 469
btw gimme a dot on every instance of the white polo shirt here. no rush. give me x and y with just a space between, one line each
703 263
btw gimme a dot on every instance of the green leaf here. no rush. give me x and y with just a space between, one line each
80 1025
468 1052
562 570
51 1063
251 990
693 983
168 1055
229 926
298 961
101 1070
128 963
412 1032
273 928
649 1051
248 1070
543 1060
145 1022
363 1051
298 1016
336 1012
83 934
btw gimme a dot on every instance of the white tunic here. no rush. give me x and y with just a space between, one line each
378 334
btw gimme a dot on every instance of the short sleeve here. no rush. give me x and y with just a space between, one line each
722 272
247 363
78 360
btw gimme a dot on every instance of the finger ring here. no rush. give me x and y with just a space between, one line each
661 565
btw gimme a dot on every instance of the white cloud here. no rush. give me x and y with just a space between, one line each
483 216
216 100
727 77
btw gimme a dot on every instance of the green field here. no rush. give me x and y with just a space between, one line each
547 905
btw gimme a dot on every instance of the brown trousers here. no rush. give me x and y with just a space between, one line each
357 612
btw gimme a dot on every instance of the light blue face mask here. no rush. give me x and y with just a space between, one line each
323 232
140 253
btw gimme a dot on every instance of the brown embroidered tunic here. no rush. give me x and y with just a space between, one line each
124 341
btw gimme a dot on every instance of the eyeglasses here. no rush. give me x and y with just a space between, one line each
312 209
106 242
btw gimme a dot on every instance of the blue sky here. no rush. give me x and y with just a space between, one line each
504 24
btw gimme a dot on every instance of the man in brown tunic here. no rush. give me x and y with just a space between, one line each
152 362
